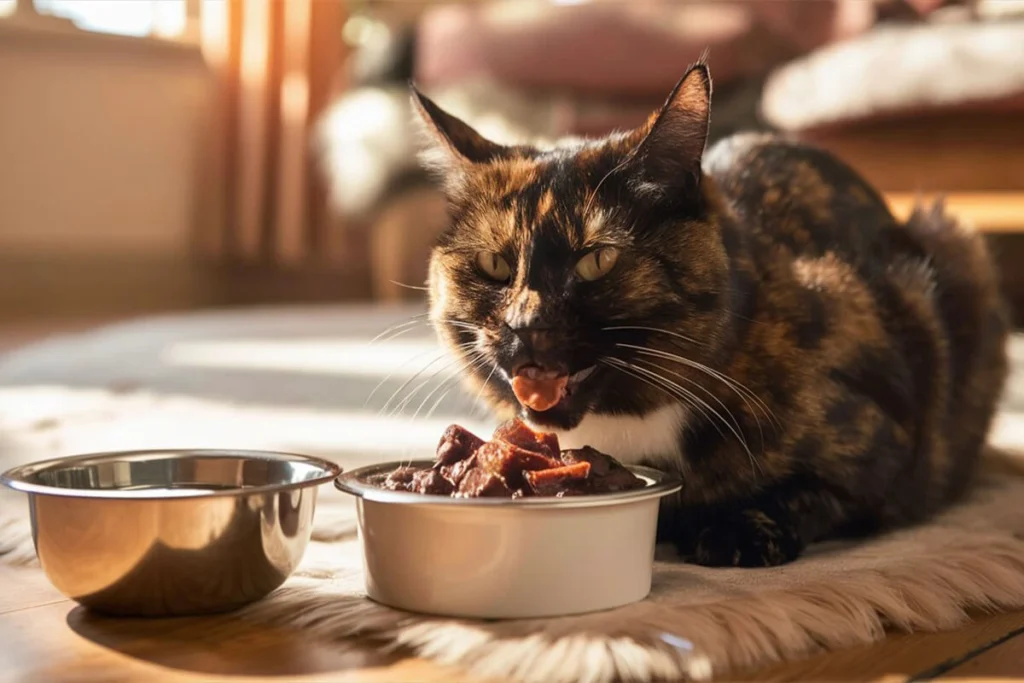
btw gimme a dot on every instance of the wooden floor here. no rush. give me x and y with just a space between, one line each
45 637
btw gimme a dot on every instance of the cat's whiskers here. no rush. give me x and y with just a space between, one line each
483 387
669 387
630 370
400 328
743 391
463 325
407 382
437 403
655 366
651 370
392 373
444 393
471 364
625 368
473 328
609 174
455 322
466 365
401 405
753 412
396 331
473 360
683 395
691 340
740 389
384 408
737 431
415 287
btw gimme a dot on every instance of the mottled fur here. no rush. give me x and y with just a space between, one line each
815 367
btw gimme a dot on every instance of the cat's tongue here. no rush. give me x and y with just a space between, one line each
539 390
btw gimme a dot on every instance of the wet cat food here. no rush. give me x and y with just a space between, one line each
517 462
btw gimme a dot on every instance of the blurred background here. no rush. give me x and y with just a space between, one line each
164 155
213 227
209 208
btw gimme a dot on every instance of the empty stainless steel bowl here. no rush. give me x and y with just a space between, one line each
171 532
503 558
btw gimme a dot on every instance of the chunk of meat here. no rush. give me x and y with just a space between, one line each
550 482
455 472
517 432
539 393
400 479
601 464
457 443
431 482
509 461
479 483
607 475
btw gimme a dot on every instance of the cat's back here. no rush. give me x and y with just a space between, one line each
928 283
798 196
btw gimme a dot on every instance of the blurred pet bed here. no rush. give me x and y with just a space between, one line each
902 71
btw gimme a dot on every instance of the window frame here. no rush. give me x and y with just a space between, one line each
28 22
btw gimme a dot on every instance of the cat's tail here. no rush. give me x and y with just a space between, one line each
961 257
976 319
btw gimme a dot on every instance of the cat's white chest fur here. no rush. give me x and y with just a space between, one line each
627 438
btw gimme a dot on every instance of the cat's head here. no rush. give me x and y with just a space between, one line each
569 260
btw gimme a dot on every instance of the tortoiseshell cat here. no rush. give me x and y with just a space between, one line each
754 318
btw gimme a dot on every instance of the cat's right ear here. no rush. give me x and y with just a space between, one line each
668 160
453 147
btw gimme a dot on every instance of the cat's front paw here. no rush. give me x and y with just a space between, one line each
747 538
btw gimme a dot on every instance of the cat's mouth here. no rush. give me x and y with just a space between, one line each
541 390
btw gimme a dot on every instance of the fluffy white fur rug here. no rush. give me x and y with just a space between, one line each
702 623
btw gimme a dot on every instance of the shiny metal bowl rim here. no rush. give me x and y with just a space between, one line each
16 478
659 484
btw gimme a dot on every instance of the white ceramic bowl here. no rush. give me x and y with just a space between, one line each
498 558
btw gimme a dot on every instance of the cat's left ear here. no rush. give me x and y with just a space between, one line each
668 159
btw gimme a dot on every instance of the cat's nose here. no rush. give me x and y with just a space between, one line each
537 339
540 346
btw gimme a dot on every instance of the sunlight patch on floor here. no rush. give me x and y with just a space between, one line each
351 357
1008 431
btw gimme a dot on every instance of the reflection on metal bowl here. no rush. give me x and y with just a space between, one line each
171 533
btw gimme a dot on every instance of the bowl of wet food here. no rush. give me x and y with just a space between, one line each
171 532
512 527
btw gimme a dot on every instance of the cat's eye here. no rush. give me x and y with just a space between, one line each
494 266
597 263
